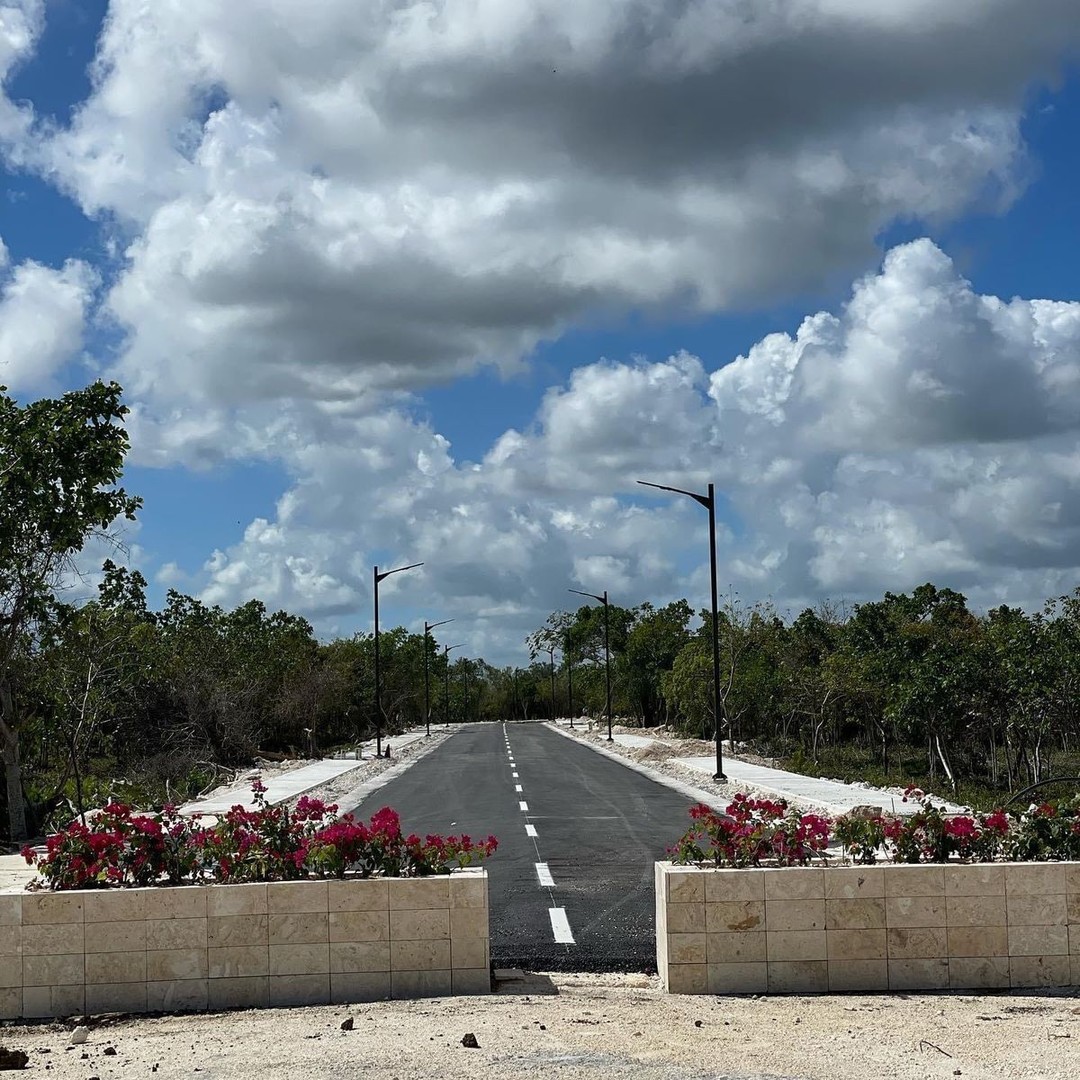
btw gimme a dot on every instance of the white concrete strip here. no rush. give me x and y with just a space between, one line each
523 807
560 926
517 787
530 830
544 874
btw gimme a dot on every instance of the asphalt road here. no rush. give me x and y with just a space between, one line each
598 826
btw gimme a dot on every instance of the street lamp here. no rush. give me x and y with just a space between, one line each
377 577
465 689
446 695
709 502
607 652
428 627
550 650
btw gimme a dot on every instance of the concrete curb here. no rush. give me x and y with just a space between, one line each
716 802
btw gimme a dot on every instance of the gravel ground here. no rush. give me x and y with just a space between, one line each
568 1026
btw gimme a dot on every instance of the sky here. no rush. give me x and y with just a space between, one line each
391 281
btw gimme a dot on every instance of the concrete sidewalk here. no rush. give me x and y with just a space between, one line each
833 796
289 785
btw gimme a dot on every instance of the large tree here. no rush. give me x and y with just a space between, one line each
60 462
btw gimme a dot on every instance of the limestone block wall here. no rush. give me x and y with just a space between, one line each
222 946
885 927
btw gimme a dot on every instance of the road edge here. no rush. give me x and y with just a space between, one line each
355 798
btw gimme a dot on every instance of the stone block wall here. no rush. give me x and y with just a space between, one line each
874 928
223 946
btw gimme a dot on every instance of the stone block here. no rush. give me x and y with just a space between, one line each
470 892
238 962
975 879
58 1001
727 978
115 967
903 880
179 902
467 923
685 885
972 941
11 909
297 990
902 912
795 883
854 883
52 939
300 959
224 931
11 1002
733 886
359 956
924 974
307 928
106 937
10 940
736 948
794 915
861 914
1035 971
177 995
346 988
419 955
239 993
166 965
236 900
687 979
978 972
1072 877
856 945
123 997
297 897
37 1002
52 909
1074 940
1035 879
405 984
733 916
176 933
1038 941
418 924
1048 910
686 918
119 905
469 953
917 943
858 976
359 926
976 910
55 970
795 945
470 981
411 893
798 977
686 948
359 894
1072 907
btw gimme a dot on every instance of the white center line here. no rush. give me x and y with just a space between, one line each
523 807
530 830
544 874
517 788
514 775
560 926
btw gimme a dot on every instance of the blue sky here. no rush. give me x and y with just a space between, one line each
379 289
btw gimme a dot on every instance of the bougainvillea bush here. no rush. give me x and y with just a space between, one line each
269 843
754 832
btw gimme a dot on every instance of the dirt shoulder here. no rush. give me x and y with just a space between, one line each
570 1026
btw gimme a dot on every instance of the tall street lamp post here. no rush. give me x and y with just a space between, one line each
428 627
550 650
709 502
446 692
377 577
465 689
607 652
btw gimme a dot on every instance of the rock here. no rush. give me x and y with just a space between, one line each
109 1051
866 811
469 1040
79 1035
13 1059
347 1024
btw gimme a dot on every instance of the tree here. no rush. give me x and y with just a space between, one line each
60 462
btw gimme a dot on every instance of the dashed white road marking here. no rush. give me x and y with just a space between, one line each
544 874
560 926
514 775
530 830
523 807
517 787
